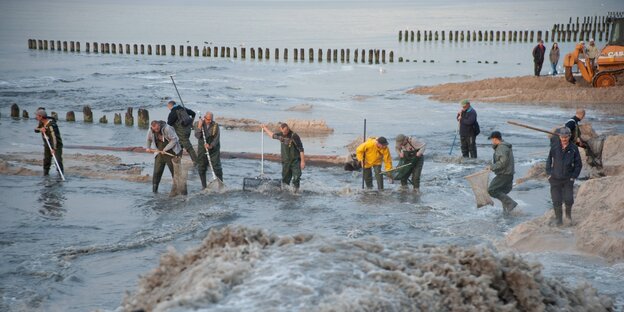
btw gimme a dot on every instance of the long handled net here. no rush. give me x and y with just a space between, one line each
261 183
479 184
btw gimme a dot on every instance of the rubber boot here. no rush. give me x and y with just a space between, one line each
558 215
202 177
568 212
155 188
508 203
46 172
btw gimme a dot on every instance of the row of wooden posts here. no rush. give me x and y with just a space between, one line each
359 55
557 34
142 116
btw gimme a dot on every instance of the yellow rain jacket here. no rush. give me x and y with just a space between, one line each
373 155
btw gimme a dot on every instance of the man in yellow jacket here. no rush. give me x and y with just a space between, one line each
371 154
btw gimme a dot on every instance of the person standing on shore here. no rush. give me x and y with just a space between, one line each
592 53
47 127
293 157
468 129
410 151
554 58
208 145
371 154
167 149
573 125
538 57
563 166
503 167
178 117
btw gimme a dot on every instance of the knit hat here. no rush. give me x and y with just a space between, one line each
382 141
563 132
465 102
400 138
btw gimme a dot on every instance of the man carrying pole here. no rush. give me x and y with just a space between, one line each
52 142
208 148
178 117
293 158
371 154
167 149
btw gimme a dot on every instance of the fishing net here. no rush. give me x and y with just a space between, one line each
261 184
404 168
479 184
180 175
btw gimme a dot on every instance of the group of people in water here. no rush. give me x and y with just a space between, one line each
168 139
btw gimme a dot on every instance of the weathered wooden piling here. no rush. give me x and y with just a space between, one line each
295 54
87 114
117 119
70 116
276 54
267 54
400 59
196 50
64 46
142 48
25 114
102 49
129 118
285 54
228 52
173 50
355 55
401 36
370 56
418 36
411 36
189 51
311 55
260 53
114 48
222 51
301 54
391 56
58 45
348 57
376 55
252 53
443 35
335 52
383 56
77 46
143 118
320 55
243 53
163 50
39 44
363 56
450 35
45 44
342 55
127 48
52 45
103 120
135 48
15 111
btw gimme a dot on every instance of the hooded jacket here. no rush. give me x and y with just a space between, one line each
503 159
167 133
373 155
564 163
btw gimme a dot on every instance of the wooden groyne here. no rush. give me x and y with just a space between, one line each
343 55
582 29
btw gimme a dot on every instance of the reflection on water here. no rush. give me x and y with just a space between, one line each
51 198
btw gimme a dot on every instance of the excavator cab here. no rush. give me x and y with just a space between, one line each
608 66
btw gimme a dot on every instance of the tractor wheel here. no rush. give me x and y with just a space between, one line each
603 81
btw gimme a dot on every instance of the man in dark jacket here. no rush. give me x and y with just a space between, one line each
563 166
467 118
293 158
208 145
538 57
49 129
572 124
176 115
503 167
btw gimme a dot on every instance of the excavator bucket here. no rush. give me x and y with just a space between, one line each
568 74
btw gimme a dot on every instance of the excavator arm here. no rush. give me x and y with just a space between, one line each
584 67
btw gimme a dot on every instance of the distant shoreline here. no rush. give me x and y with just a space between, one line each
530 90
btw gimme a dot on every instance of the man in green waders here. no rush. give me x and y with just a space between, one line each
208 127
167 148
178 118
293 158
410 152
503 167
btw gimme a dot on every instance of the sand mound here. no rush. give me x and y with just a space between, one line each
613 155
536 172
347 275
304 127
300 108
8 169
528 90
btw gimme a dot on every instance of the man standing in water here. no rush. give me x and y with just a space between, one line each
538 57
177 119
411 152
167 149
371 154
468 129
293 158
47 127
503 167
208 139
563 166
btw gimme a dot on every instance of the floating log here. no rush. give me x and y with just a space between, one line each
87 114
143 116
70 116
15 111
117 119
129 118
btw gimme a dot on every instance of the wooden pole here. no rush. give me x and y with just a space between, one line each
87 114
70 116
15 111
129 117
143 116
117 119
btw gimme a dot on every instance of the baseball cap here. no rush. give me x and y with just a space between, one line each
495 134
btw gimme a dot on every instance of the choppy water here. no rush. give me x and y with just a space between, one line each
80 245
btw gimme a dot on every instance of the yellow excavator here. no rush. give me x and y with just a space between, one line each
608 66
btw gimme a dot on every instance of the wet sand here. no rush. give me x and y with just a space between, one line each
545 90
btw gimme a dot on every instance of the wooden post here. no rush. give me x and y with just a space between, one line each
163 50
243 53
451 35
228 51
45 44
491 35
418 36
468 36
114 48
355 55
143 116
129 117
235 52
277 54
39 44
335 55
267 53
215 51
252 53
311 55
259 53
411 36
95 47
70 116
532 36
58 45
400 36
515 36
363 56
87 47
526 35
383 56
64 46
127 48
546 36
25 114
136 49
400 59
102 48
87 114
117 119
223 51
320 55
430 36
103 120
443 35
342 55
296 54
285 54
196 50
149 49
485 37
189 51
503 36
462 36
301 54
436 35
539 35
391 56
142 47
575 33
370 56
480 36
173 50
348 55
405 34
15 111
498 35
